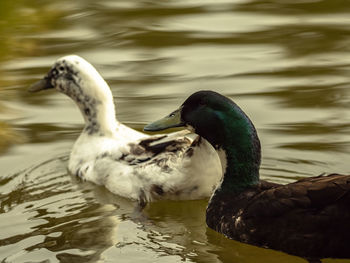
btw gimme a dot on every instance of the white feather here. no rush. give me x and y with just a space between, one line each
105 151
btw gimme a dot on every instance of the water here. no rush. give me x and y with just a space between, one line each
286 63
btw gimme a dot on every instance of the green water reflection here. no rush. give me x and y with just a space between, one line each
285 62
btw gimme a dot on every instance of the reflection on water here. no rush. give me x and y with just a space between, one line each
48 215
286 63
54 219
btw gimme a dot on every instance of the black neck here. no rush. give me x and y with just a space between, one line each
240 153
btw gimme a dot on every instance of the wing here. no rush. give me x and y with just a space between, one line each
308 193
170 166
159 148
306 218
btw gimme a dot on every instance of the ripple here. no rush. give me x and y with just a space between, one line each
285 63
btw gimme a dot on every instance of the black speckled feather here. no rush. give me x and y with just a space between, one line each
127 162
157 149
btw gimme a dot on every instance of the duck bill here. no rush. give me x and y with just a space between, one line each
42 84
170 121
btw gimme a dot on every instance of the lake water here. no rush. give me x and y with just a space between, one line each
286 63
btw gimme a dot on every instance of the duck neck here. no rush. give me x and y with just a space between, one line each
240 156
99 117
97 109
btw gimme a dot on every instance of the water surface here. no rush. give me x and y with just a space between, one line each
286 63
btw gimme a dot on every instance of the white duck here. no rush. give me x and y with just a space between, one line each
127 162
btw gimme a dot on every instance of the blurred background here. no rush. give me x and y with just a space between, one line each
286 63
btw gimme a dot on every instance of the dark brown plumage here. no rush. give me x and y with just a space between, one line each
309 218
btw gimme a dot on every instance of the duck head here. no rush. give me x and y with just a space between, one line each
78 79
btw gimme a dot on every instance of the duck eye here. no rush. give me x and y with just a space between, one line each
61 68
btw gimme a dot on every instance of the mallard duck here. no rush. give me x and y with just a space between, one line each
308 218
129 163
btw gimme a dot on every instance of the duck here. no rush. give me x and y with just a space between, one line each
129 163
307 218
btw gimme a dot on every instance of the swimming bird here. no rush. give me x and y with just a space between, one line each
127 162
308 218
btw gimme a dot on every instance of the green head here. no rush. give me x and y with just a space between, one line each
221 122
